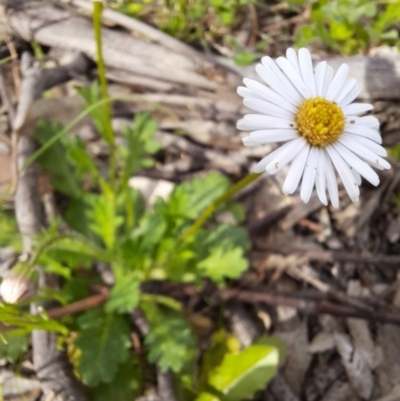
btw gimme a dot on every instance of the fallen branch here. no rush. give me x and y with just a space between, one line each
309 303
50 25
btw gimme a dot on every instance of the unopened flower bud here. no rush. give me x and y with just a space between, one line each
15 288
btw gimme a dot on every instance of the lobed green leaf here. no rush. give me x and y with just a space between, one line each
104 342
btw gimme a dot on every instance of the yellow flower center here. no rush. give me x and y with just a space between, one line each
320 121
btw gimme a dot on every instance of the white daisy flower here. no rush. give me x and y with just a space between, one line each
312 111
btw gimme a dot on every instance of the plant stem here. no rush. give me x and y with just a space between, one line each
233 190
35 257
109 132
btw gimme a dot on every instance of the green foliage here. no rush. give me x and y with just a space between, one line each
240 376
103 341
169 340
351 26
13 347
188 20
107 224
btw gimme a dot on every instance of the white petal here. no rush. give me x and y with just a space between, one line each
351 96
286 156
260 166
246 92
345 174
268 136
310 171
268 94
295 171
254 122
267 108
357 108
356 176
347 87
320 71
291 73
337 82
327 79
291 55
306 69
366 132
277 75
366 143
354 161
366 121
364 153
320 179
272 82
331 181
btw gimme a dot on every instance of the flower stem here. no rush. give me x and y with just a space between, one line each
109 132
233 190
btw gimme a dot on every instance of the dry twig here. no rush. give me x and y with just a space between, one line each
52 365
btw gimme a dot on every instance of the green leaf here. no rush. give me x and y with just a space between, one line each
340 31
11 315
104 342
305 35
387 18
246 58
77 154
54 160
52 265
131 206
222 343
169 340
139 143
237 211
191 198
76 215
240 376
75 252
390 35
151 229
124 297
76 289
103 217
124 387
13 347
222 252
224 264
274 342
